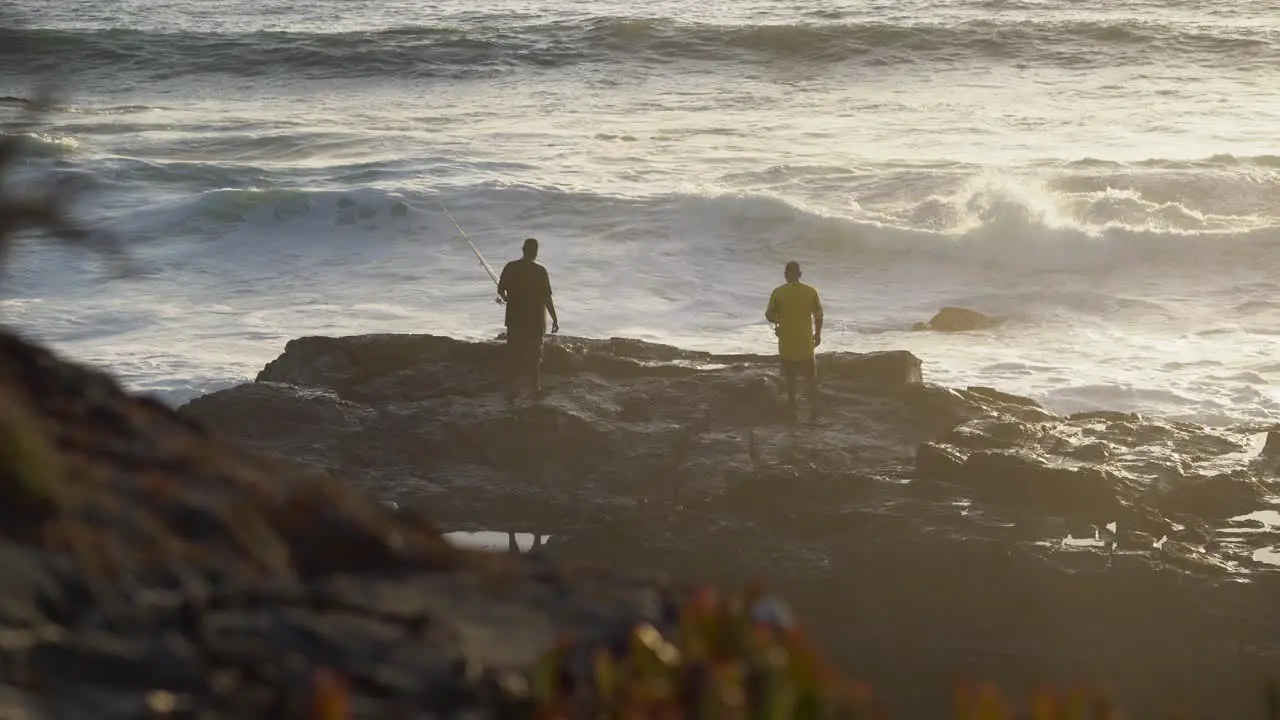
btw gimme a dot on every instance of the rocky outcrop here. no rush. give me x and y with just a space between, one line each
957 319
407 416
919 526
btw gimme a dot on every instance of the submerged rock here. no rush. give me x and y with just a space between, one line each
907 513
957 319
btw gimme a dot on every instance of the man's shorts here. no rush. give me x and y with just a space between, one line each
807 369
525 345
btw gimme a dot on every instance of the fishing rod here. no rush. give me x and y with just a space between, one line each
492 275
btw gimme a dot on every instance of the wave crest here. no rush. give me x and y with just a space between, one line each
996 223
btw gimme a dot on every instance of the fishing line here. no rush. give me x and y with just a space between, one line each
492 275
487 268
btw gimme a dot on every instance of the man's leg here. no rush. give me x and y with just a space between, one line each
811 387
789 380
512 366
535 362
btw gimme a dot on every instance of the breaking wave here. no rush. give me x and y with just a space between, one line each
988 225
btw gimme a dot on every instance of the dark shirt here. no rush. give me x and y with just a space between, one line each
528 292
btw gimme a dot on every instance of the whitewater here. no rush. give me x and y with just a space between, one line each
1105 176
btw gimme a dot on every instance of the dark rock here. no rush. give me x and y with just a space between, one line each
934 460
1092 451
1223 495
424 366
39 587
892 367
994 433
1002 397
163 660
627 420
957 319
1107 415
918 511
619 409
1026 480
16 704
1183 470
1272 448
994 403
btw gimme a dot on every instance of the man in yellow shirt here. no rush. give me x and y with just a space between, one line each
796 312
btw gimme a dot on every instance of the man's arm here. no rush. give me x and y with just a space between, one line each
817 319
555 321
502 283
551 305
771 312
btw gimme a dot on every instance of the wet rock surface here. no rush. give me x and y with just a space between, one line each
926 531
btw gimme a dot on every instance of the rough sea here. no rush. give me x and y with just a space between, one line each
1105 175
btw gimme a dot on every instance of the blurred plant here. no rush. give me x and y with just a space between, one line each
330 696
729 656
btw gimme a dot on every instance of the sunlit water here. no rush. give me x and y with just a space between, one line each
1103 174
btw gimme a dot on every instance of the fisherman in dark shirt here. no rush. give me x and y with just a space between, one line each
526 289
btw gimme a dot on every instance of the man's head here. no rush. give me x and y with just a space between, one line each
792 273
530 249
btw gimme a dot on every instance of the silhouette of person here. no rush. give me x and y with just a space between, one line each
525 287
796 312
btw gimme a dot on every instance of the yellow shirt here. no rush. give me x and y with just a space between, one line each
793 306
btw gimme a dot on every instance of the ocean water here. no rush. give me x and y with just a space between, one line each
1105 175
